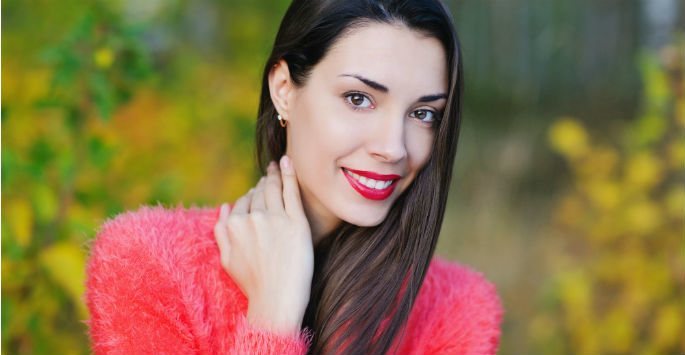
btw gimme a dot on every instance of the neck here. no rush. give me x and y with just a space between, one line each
321 221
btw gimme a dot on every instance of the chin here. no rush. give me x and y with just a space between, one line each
365 219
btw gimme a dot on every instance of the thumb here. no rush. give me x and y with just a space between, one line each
291 190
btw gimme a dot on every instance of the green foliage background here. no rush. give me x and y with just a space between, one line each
575 200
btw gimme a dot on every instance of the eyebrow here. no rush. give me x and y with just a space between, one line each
383 88
369 82
429 98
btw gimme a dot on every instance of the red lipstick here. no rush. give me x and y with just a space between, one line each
368 192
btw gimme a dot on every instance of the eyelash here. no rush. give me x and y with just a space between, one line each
347 96
436 115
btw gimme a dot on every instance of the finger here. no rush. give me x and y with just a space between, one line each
291 189
273 190
258 201
242 205
221 235
224 211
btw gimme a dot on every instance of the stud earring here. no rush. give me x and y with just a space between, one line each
282 120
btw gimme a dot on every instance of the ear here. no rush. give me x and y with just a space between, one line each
281 87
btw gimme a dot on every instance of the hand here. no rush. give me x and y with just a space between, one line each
266 247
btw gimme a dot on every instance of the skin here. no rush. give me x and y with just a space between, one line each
339 118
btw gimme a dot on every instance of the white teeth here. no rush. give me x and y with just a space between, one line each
370 183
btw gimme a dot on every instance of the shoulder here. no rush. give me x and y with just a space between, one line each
461 287
446 278
457 310
159 265
155 226
150 244
174 240
154 233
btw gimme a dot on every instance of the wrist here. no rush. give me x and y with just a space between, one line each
278 321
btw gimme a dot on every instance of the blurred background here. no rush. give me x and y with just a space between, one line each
569 191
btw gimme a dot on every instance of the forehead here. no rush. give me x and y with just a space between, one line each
392 54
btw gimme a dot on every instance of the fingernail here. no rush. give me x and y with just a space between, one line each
224 210
272 165
285 164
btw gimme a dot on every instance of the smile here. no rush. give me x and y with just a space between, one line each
371 185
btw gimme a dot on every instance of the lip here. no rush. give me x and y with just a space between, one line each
367 192
373 175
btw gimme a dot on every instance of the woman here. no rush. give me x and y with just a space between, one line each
331 251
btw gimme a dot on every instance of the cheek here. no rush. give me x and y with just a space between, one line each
323 126
419 147
318 137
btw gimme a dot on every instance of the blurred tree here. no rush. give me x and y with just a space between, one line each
54 158
618 285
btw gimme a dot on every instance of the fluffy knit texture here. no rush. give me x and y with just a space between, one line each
155 285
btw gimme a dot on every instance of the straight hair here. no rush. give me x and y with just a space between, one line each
367 278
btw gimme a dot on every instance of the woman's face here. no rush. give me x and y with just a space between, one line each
368 106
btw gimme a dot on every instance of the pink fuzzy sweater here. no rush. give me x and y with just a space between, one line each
155 285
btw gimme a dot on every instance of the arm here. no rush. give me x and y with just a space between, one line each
254 340
141 302
134 306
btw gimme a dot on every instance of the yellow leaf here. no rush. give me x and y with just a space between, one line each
675 202
20 218
643 217
103 58
568 137
576 295
45 202
676 154
644 171
656 83
618 332
65 263
603 229
680 112
604 194
668 326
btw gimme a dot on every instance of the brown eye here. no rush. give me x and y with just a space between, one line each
358 101
427 116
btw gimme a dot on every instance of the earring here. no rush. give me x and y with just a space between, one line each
282 120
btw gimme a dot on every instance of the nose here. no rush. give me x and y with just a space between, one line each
387 142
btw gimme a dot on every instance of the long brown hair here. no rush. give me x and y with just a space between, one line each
366 278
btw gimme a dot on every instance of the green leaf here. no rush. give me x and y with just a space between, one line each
103 95
100 154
